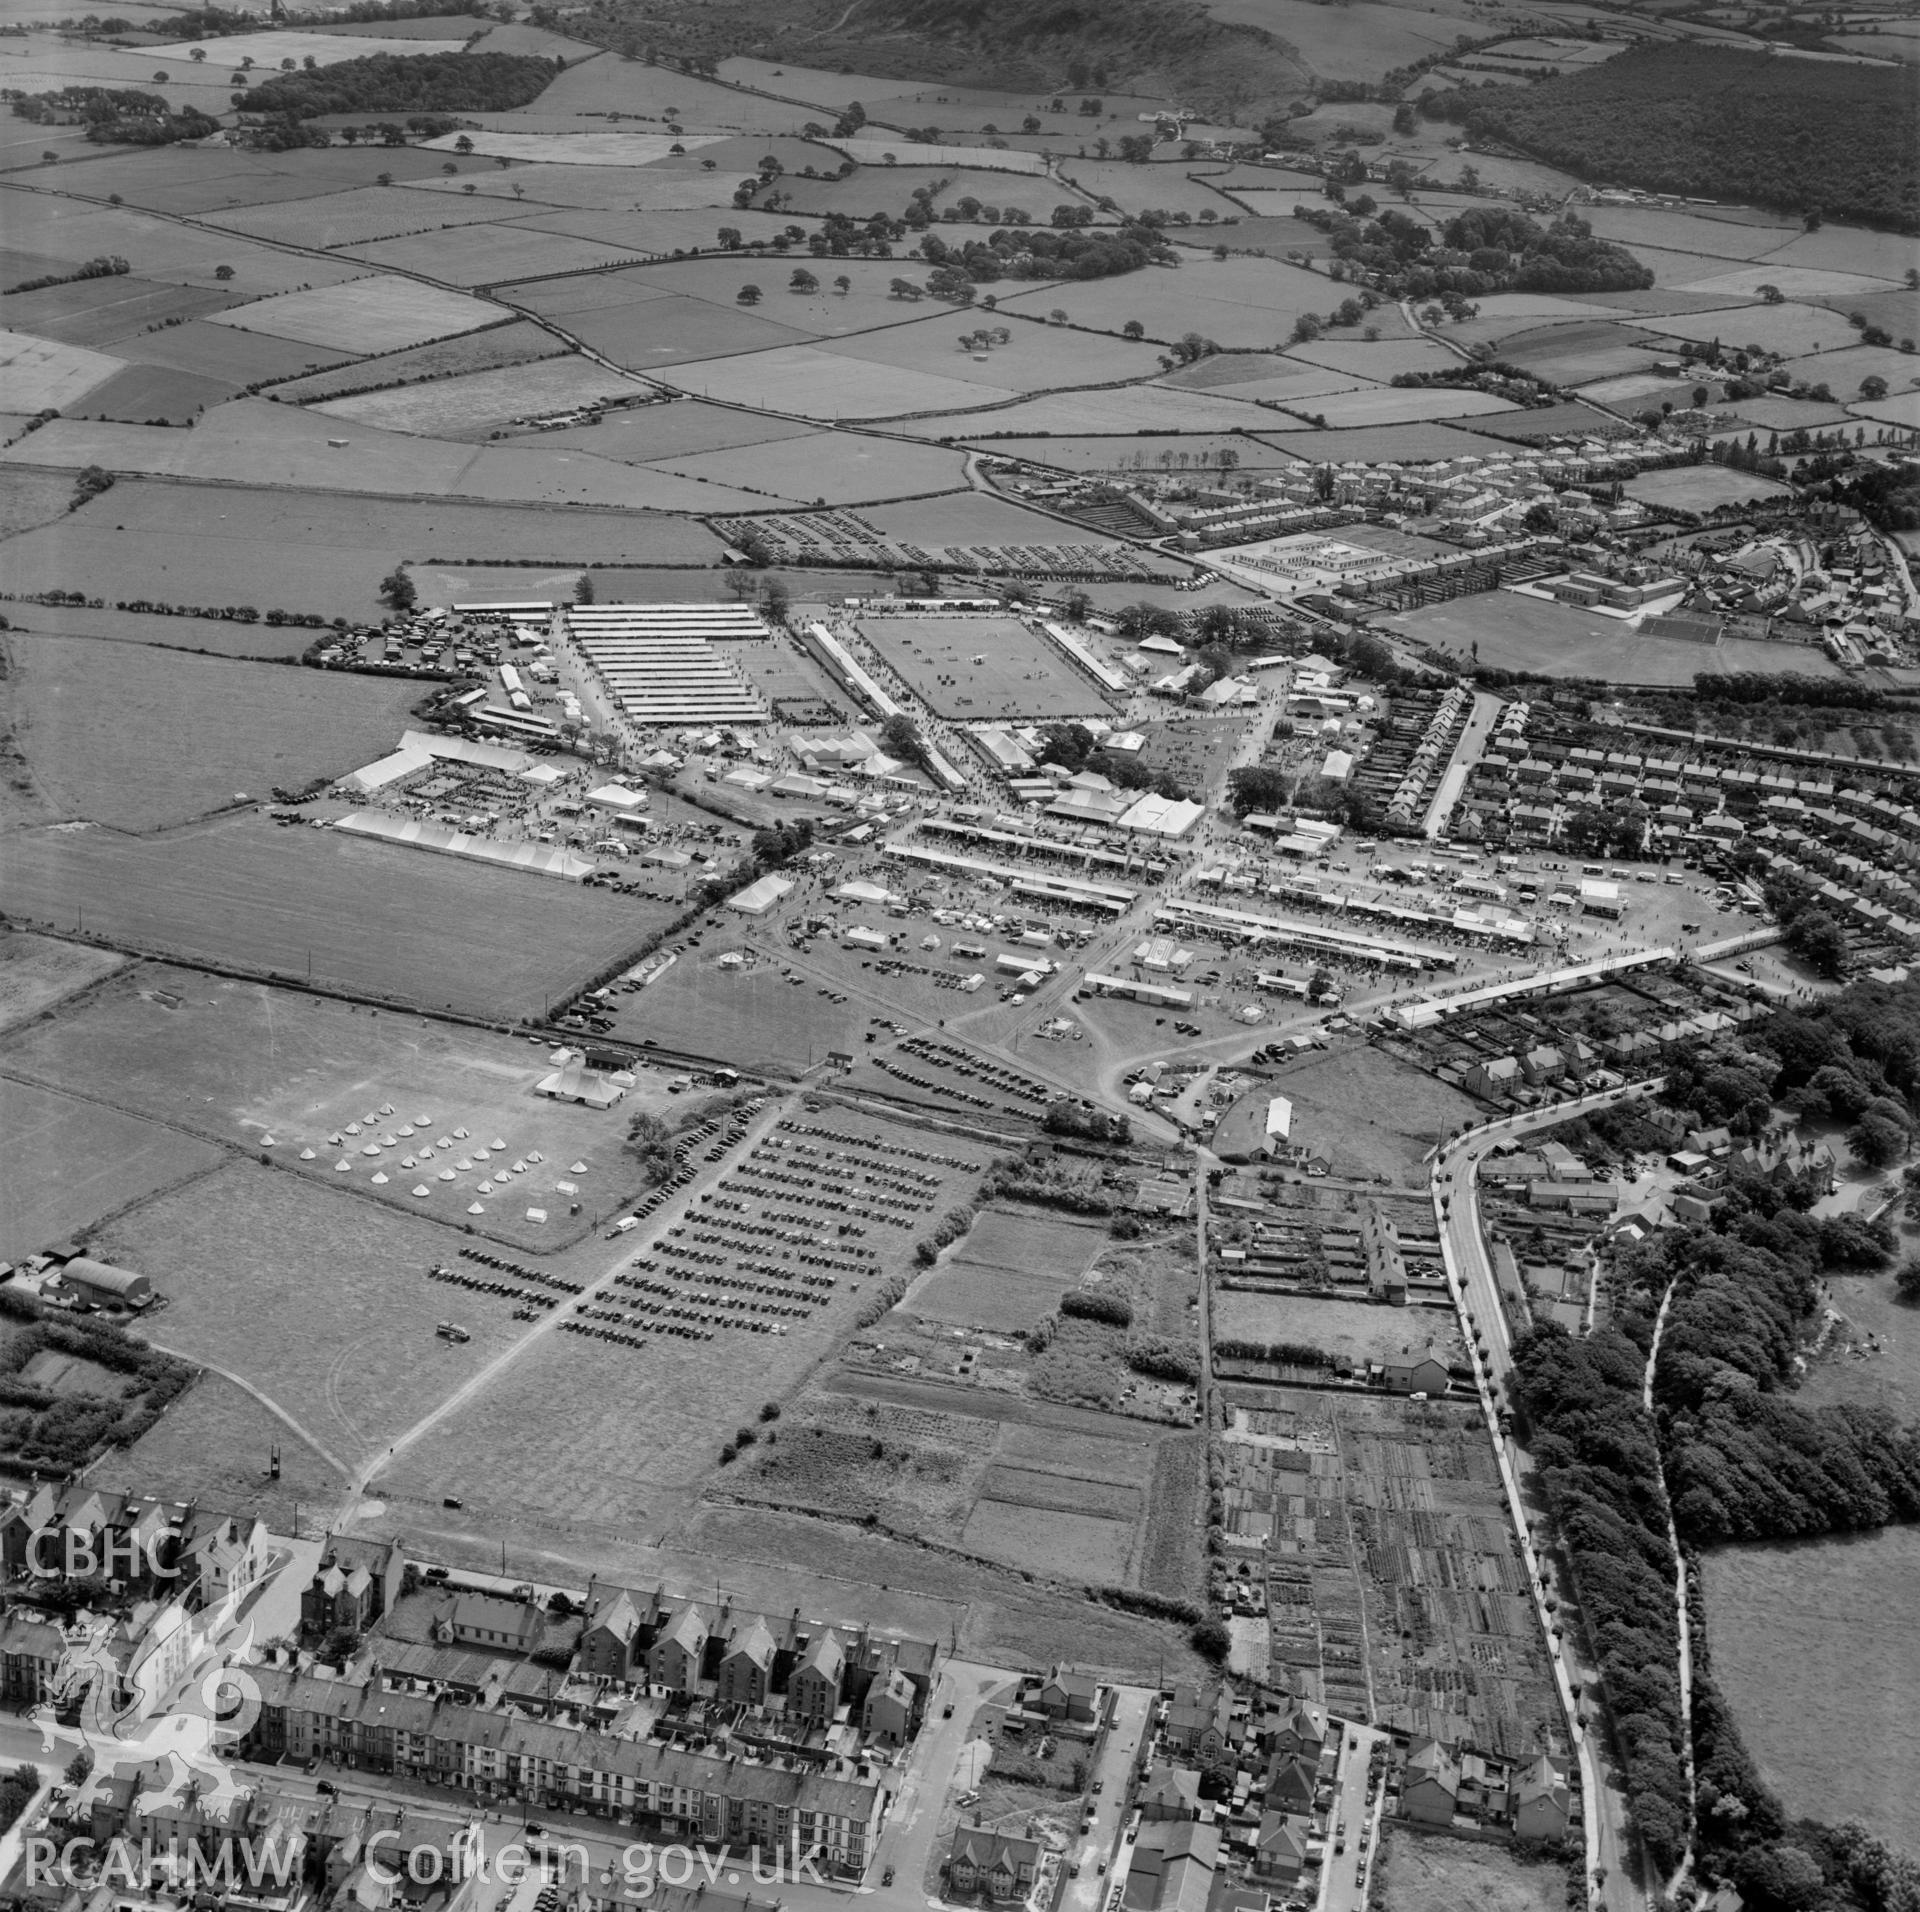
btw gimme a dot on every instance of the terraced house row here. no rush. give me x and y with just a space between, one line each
740 1799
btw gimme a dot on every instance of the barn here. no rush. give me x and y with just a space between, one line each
105 1285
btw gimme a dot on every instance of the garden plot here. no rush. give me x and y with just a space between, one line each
71 1162
477 402
814 382
374 314
1397 405
1234 302
1126 413
356 217
85 714
1034 358
97 312
517 343
372 919
1791 328
42 375
467 257
829 468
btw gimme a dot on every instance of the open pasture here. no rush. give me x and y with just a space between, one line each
218 351
1792 328
1656 226
512 474
1359 42
1400 405
31 498
516 343
71 1162
812 382
492 255
1380 359
1843 370
604 83
86 714
368 917
577 148
146 394
357 216
1796 282
44 375
829 467
1136 410
97 312
533 184
1785 414
354 1359
1900 408
661 234
985 667
1035 358
1874 255
679 429
1580 350
237 1063
1249 303
824 313
212 636
1290 390
37 972
1126 453
1167 185
268 48
476 402
659 331
374 314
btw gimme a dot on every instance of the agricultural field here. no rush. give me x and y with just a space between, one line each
518 342
1359 42
1355 1331
1391 405
36 972
1791 328
1238 303
833 468
370 315
474 403
1372 444
1258 375
648 328
32 498
982 666
464 256
204 350
155 394
83 713
211 636
1415 1873
674 430
814 382
42 375
1035 358
373 919
71 1162
1580 350
357 217
1138 410
102 312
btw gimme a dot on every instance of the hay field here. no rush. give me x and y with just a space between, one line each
374 314
70 1162
467 256
87 714
829 467
238 1062
351 1358
519 342
812 382
38 971
43 375
369 918
476 402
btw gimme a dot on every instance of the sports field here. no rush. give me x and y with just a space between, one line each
1701 487
376 920
982 667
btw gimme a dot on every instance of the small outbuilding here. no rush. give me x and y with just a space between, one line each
106 1286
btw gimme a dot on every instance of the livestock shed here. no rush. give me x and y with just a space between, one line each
106 1286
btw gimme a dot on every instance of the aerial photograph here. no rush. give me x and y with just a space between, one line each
1176 740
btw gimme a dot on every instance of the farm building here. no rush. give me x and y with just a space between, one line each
1255 1129
106 1286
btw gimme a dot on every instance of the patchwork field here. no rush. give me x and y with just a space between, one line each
375 314
72 1161
362 916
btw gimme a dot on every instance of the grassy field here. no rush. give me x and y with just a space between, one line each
218 351
44 375
1353 43
1388 405
352 1358
750 1017
377 920
70 1162
517 343
468 256
832 468
1356 1330
358 216
1373 444
1793 329
99 312
1127 413
374 314
475 402
38 971
1046 1539
1791 1626
1250 303
653 329
156 394
1036 358
1701 487
1376 1116
240 1062
85 712
1425 1874
814 382
981 666
1010 1271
